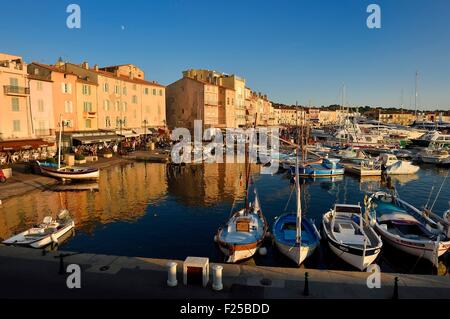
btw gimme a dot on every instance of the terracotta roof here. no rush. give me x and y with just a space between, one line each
53 68
38 78
125 78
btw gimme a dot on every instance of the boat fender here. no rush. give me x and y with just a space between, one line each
262 251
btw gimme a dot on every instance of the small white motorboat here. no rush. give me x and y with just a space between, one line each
393 166
350 237
44 234
433 156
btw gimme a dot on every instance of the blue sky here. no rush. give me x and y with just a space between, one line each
292 50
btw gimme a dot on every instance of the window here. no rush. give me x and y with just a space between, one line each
146 91
228 101
117 106
15 104
125 121
68 106
88 123
108 122
154 91
16 125
106 105
117 89
124 106
160 93
87 106
40 105
86 89
14 82
124 90
134 99
117 121
105 87
39 85
66 88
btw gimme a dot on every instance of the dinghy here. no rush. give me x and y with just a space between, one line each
406 227
44 234
350 237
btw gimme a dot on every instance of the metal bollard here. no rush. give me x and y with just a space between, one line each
395 295
306 289
172 274
217 278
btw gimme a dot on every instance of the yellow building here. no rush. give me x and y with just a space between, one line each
124 100
289 116
396 118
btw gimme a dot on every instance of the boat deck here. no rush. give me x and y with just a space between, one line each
285 231
230 233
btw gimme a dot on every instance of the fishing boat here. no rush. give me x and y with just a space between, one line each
406 228
246 228
296 237
68 172
48 232
350 236
71 172
393 166
328 167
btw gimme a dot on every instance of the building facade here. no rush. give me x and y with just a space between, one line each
15 119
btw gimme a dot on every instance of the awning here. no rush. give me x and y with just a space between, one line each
127 133
93 139
17 145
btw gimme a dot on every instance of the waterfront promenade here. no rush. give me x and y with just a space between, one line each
27 273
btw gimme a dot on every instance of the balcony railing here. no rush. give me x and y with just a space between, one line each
16 90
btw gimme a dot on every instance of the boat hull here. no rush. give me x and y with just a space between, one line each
297 253
18 240
89 175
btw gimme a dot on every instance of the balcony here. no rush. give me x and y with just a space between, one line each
16 90
90 115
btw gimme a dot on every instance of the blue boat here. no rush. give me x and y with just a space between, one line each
294 236
328 167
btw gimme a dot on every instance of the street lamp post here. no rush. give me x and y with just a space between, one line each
145 132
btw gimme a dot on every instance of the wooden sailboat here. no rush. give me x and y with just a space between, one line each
246 228
68 172
294 236
407 228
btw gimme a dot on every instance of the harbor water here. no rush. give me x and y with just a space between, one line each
164 211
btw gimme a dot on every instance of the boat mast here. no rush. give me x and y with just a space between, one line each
298 228
415 95
59 143
247 163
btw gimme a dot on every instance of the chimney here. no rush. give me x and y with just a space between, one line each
95 67
85 65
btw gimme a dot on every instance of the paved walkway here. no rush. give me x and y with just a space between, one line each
27 273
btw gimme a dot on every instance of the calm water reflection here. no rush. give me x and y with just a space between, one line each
153 210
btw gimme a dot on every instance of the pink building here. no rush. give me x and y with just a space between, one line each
41 105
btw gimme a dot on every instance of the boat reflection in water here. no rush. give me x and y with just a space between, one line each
144 209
